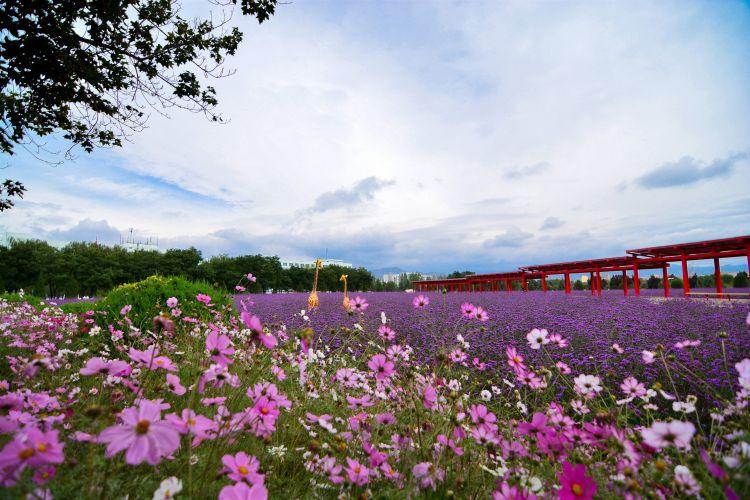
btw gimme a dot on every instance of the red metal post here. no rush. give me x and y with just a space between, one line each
717 277
544 283
665 279
625 282
685 277
567 282
524 284
508 285
636 279
598 283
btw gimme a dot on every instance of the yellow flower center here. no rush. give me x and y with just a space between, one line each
26 453
242 469
577 489
41 447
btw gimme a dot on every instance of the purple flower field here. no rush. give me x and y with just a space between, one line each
591 324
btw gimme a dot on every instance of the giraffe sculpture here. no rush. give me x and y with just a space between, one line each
346 297
312 300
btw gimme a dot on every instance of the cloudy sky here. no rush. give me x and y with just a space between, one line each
436 136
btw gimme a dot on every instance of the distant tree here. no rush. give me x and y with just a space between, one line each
578 285
460 274
675 282
694 281
740 280
653 282
92 70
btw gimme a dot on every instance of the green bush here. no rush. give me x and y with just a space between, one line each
79 307
16 298
148 298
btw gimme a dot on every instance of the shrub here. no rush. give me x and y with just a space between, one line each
148 298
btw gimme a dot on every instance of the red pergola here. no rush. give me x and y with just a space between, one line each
595 268
739 246
641 258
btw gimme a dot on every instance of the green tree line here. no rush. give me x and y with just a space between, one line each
91 269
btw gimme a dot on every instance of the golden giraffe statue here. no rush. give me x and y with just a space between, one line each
346 297
312 300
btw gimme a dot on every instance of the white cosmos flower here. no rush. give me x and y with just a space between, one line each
168 489
485 395
537 338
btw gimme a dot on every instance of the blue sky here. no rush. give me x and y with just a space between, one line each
437 136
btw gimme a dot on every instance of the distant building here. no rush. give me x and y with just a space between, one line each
307 264
391 277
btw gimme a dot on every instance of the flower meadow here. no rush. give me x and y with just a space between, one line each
402 395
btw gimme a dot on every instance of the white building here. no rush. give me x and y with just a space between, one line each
391 277
307 264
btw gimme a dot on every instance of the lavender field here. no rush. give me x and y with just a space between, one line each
593 325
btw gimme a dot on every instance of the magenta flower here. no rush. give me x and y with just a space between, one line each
515 360
253 323
189 422
386 333
468 310
242 467
357 473
219 347
30 447
98 366
574 483
428 475
481 314
173 383
429 397
125 310
143 435
357 403
241 491
172 302
250 277
359 304
420 301
201 297
380 365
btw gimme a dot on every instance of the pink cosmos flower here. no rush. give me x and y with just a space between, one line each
253 323
250 277
563 367
357 403
420 301
648 357
481 366
173 383
444 441
480 415
505 491
172 302
457 355
219 347
515 360
632 388
332 470
30 447
429 397
116 367
481 315
241 491
143 434
357 473
468 310
359 304
380 365
44 474
574 483
189 422
484 435
240 288
428 475
278 373
201 297
242 467
125 310
386 333
558 339
663 434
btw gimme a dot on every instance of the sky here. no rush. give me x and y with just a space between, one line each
435 136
